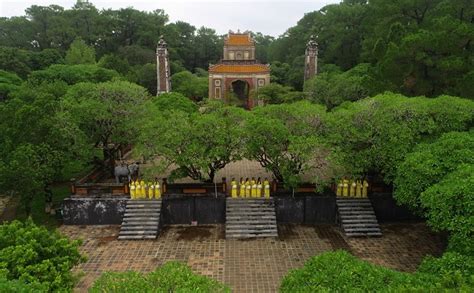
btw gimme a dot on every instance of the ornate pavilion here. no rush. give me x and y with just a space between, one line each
238 75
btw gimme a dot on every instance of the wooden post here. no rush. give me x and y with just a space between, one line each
224 185
274 185
164 186
125 188
73 186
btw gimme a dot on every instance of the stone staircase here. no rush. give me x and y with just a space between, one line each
141 220
357 217
250 218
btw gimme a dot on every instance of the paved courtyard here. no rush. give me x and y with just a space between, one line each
251 265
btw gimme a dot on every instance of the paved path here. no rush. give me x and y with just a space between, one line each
246 266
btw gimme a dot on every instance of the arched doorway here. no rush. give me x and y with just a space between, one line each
240 88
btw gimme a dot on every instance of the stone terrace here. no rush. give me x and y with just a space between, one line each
246 266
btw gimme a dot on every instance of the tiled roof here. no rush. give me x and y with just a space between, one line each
239 40
239 68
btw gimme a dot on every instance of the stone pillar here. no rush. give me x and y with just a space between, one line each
311 59
162 68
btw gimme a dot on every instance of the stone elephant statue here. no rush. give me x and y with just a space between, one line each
126 170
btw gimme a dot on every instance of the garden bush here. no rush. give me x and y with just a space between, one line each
376 134
36 257
430 163
171 277
341 272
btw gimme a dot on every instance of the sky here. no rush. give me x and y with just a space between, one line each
265 16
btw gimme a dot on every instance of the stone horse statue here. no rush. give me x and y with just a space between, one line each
126 170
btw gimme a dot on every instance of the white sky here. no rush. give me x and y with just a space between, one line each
269 17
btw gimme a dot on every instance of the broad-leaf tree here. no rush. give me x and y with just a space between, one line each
105 113
192 144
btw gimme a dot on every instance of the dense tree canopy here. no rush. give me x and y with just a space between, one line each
411 47
191 143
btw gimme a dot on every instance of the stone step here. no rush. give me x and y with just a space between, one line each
250 222
353 201
250 231
360 224
357 216
361 229
355 234
248 201
245 236
251 209
136 214
139 232
137 237
250 218
142 210
360 220
138 223
138 227
369 212
246 226
239 207
143 205
254 206
141 220
355 208
365 204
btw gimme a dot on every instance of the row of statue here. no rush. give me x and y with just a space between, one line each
352 188
250 188
142 189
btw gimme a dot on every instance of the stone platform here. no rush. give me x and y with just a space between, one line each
256 265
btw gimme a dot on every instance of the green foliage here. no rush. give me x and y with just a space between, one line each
279 72
28 169
190 85
14 60
333 88
103 113
145 76
72 74
114 62
340 271
174 102
9 82
16 286
171 277
449 264
33 255
436 180
376 134
449 204
196 144
80 53
273 93
286 140
428 165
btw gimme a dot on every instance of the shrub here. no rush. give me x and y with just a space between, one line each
376 134
171 277
449 206
17 286
33 255
341 272
429 164
449 264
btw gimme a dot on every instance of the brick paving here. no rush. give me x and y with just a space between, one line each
246 266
